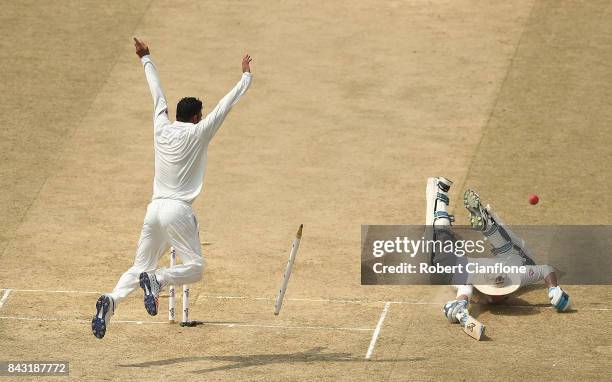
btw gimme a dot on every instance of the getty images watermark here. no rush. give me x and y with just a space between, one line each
417 255
411 247
405 246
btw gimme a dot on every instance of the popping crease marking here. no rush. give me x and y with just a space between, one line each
340 301
228 325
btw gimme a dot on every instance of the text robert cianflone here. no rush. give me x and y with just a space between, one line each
405 245
471 268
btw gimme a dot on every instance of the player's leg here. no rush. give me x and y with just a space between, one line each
144 273
437 219
438 230
150 247
181 231
438 201
504 242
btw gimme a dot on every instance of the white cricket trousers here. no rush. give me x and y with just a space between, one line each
167 223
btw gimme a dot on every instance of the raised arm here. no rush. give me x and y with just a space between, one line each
214 119
160 106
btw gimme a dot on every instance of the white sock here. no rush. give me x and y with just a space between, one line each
160 280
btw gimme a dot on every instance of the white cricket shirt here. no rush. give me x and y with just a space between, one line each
181 147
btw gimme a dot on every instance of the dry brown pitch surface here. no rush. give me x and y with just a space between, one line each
353 105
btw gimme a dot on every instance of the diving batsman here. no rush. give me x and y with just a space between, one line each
507 248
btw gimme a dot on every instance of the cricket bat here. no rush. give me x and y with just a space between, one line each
283 288
473 327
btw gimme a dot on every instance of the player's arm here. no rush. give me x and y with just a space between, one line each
160 105
214 119
456 311
459 305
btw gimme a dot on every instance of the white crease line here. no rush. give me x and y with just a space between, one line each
340 301
227 325
578 309
5 297
212 297
54 291
376 333
417 303
77 320
441 303
288 299
289 327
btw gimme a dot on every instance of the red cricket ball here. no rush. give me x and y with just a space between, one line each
533 199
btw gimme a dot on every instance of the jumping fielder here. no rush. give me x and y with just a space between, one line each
507 248
180 162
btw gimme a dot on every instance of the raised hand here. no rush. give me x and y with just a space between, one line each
141 48
246 63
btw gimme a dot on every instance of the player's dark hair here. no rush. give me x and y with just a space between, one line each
187 108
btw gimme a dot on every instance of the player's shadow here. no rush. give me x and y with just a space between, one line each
241 361
485 338
514 306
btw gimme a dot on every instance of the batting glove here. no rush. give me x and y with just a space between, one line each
453 307
559 299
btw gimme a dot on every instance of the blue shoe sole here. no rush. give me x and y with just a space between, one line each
98 323
149 299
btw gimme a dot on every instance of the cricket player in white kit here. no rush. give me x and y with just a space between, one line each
180 162
507 248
